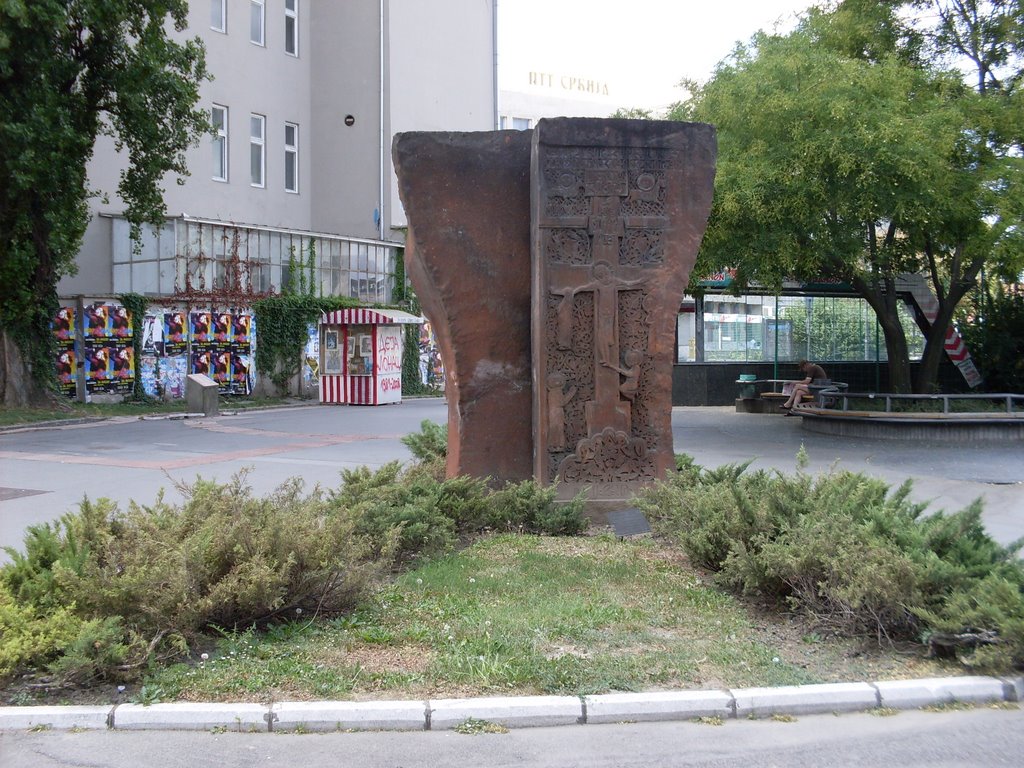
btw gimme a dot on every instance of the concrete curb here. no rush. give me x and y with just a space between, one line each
523 711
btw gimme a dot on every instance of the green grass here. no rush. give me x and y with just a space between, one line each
524 615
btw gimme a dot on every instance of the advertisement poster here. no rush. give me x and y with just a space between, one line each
153 334
222 349
173 374
108 354
199 327
431 370
311 356
66 361
175 338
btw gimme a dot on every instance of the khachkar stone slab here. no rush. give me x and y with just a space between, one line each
467 201
618 211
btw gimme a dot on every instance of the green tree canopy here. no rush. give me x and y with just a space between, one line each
71 70
849 148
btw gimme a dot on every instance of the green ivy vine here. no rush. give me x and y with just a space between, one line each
282 323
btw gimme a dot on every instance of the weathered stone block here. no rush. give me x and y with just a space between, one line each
467 200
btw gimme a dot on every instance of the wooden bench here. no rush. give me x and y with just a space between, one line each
767 401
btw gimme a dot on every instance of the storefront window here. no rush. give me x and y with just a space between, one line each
787 328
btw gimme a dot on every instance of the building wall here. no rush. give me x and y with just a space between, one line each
438 75
458 98
345 80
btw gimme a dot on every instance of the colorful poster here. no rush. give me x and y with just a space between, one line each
311 358
173 374
120 323
65 359
97 322
241 328
64 324
108 355
149 373
241 373
431 369
175 337
199 327
202 359
220 361
67 370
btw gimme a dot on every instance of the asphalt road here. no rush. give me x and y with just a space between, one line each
981 737
44 472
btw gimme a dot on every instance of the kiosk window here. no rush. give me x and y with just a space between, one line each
360 351
331 353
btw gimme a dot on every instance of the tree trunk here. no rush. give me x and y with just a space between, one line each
931 358
18 388
896 351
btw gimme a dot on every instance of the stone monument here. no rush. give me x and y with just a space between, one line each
552 266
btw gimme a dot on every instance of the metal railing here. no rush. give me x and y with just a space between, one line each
1005 399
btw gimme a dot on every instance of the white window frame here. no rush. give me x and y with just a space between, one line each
293 14
291 153
223 15
260 7
261 142
221 135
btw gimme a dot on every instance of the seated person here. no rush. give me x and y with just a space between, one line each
813 374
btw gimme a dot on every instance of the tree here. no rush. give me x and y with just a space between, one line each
71 70
849 148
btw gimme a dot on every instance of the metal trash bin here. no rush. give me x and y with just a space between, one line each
748 390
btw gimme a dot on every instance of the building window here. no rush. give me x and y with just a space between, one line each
219 15
257 21
219 118
257 149
291 157
514 123
291 27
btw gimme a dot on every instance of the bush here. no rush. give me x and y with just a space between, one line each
428 515
430 443
27 638
528 506
149 579
848 551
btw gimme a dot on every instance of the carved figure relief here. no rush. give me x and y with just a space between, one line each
558 397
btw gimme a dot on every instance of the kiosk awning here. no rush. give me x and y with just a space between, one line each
362 316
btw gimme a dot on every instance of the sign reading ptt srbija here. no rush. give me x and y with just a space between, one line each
389 364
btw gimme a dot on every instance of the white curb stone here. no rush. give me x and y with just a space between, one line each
661 705
350 715
63 718
510 711
913 694
191 717
804 699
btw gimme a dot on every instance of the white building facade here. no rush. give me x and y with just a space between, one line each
305 100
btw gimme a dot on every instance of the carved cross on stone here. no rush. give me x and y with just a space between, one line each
606 210
606 409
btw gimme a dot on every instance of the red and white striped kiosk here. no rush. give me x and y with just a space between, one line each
361 355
